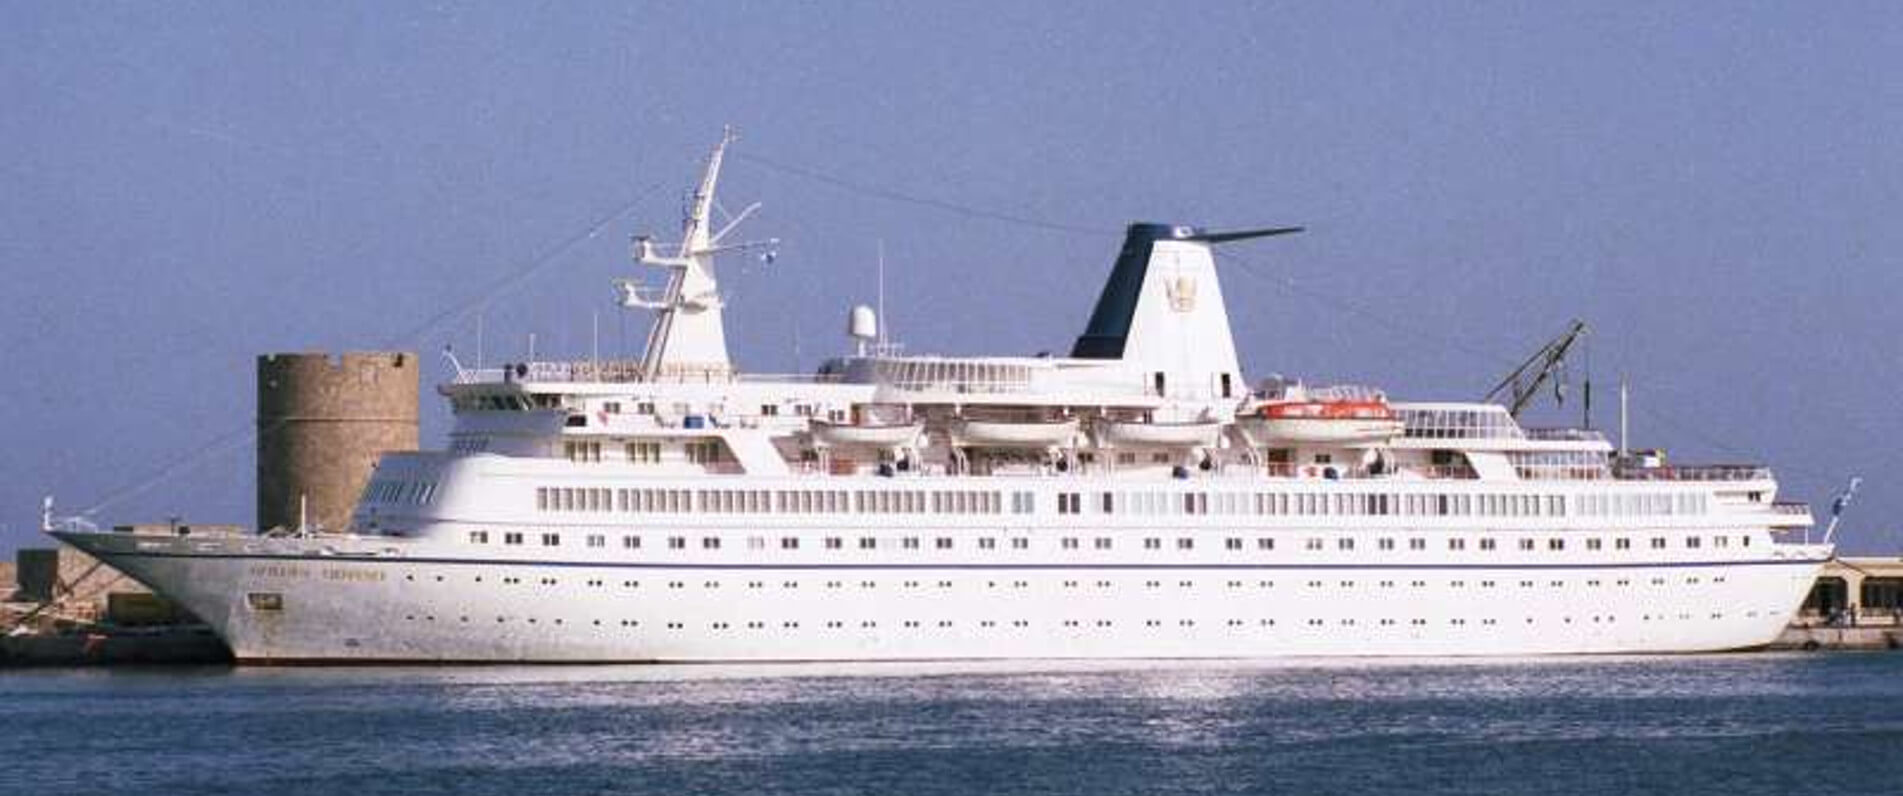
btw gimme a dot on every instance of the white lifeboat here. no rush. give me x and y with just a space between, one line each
1191 434
1329 416
1016 433
891 435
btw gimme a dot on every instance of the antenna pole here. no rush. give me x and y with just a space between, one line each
883 321
479 314
1622 417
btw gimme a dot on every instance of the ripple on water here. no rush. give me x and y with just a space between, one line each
1741 724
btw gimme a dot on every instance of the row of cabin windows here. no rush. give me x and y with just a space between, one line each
783 501
1021 624
1556 583
1144 503
1312 543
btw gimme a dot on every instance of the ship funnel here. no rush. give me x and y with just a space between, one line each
1162 312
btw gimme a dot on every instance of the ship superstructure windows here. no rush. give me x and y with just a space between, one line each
706 452
402 492
643 452
1069 503
1485 422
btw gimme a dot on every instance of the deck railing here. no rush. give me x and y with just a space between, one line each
617 371
1565 435
1700 472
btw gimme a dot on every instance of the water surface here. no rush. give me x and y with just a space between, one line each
1744 724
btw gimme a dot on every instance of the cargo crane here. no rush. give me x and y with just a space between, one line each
1548 364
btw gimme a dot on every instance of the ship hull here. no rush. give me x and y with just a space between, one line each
306 602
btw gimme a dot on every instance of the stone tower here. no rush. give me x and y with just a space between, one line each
322 422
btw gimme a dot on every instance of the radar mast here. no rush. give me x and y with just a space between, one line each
688 339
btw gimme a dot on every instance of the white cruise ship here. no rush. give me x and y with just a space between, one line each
1135 499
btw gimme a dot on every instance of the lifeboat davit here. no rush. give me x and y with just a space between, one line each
1356 419
894 435
1017 433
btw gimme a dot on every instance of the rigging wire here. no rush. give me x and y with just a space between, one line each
231 441
508 281
922 201
1252 270
1247 267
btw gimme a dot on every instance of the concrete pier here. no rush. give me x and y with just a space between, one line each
1857 603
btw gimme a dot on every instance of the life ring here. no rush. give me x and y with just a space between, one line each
1313 471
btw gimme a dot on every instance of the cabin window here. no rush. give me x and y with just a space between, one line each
644 452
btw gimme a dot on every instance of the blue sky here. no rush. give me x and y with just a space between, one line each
1714 187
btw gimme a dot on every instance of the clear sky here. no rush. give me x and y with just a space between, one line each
1715 187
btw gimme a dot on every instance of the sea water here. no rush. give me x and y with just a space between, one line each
1735 724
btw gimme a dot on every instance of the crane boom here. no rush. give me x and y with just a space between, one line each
1519 388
